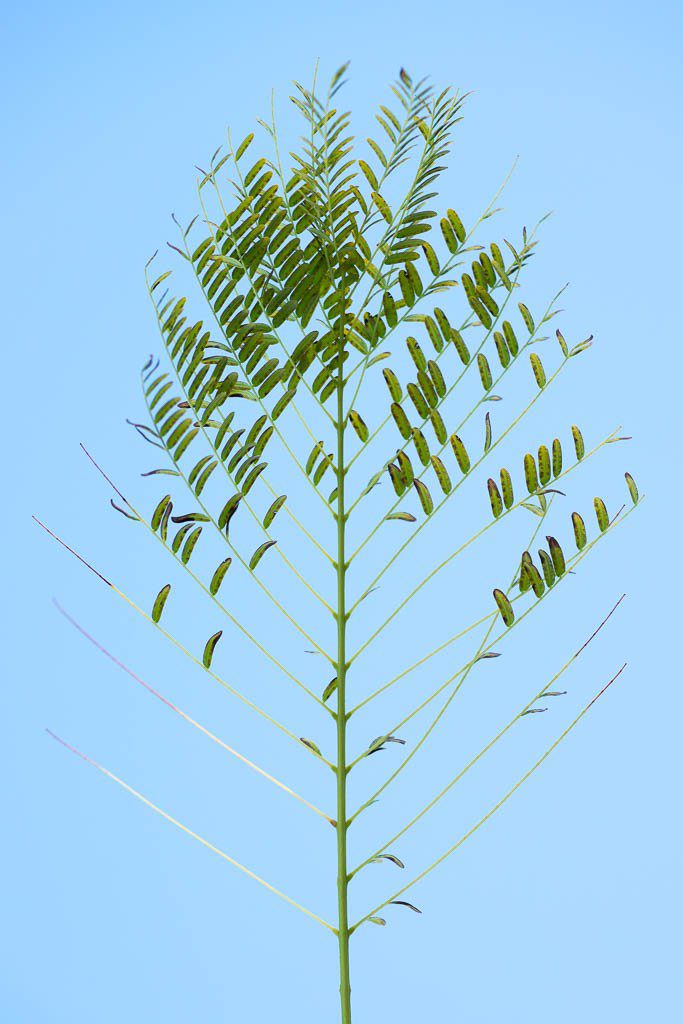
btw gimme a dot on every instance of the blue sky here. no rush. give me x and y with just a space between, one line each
566 905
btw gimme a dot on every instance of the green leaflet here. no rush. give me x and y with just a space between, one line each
382 206
421 446
359 425
504 607
160 601
259 553
323 466
228 511
601 514
252 476
282 403
405 466
159 511
316 451
442 475
632 488
439 426
311 745
397 480
557 556
510 338
431 257
424 496
242 148
495 498
163 526
190 544
579 445
401 420
405 517
501 349
210 647
457 225
506 487
406 288
418 400
434 334
537 367
460 452
329 689
389 308
562 343
427 389
487 300
369 174
180 537
416 353
579 530
527 318
449 235
557 457
273 510
484 372
543 465
219 576
460 346
530 473
204 476
437 378
547 566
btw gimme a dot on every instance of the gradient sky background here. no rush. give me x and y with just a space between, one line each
567 905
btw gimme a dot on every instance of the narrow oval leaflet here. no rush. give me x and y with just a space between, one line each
329 689
632 488
579 445
527 317
544 469
359 425
219 576
557 555
530 473
190 544
505 608
210 647
601 514
425 497
494 498
460 452
579 530
159 511
160 601
259 553
557 457
537 367
273 510
401 420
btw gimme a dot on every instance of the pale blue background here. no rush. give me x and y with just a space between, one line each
567 906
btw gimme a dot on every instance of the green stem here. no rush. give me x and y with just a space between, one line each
342 869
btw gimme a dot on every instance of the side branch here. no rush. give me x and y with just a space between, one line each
226 686
494 809
189 832
188 719
499 735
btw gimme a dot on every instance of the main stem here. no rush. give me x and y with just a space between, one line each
342 870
